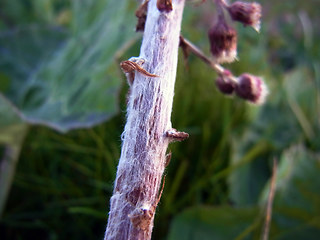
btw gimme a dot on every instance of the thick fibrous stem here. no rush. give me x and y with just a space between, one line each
143 154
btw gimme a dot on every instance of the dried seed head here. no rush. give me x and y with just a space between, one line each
251 88
225 84
246 13
223 41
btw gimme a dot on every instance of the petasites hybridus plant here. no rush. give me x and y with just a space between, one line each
148 131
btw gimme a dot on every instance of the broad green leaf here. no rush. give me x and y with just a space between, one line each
296 205
62 80
8 116
208 223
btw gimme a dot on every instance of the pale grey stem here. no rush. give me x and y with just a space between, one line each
143 154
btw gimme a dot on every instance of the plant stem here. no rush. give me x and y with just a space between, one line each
148 129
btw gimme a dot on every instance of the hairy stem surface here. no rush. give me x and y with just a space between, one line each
145 138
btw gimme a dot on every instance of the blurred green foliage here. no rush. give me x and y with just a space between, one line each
65 78
218 180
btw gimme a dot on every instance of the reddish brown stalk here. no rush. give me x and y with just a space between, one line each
266 227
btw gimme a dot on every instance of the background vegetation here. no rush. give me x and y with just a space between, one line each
59 68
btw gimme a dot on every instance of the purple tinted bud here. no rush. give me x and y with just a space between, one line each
225 84
223 41
251 88
246 13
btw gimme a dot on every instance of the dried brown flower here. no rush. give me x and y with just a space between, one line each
223 41
246 13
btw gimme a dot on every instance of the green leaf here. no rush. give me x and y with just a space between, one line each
8 116
208 223
67 82
250 163
296 205
303 98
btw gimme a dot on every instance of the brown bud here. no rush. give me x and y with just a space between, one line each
225 84
246 13
164 5
223 41
141 14
251 88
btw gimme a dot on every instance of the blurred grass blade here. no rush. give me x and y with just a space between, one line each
296 203
12 133
268 214
301 93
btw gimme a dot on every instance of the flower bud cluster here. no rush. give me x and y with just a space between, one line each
223 47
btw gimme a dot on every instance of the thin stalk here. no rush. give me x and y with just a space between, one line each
12 138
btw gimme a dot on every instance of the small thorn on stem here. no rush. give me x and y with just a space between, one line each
185 50
175 135
161 191
134 64
141 216
168 159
